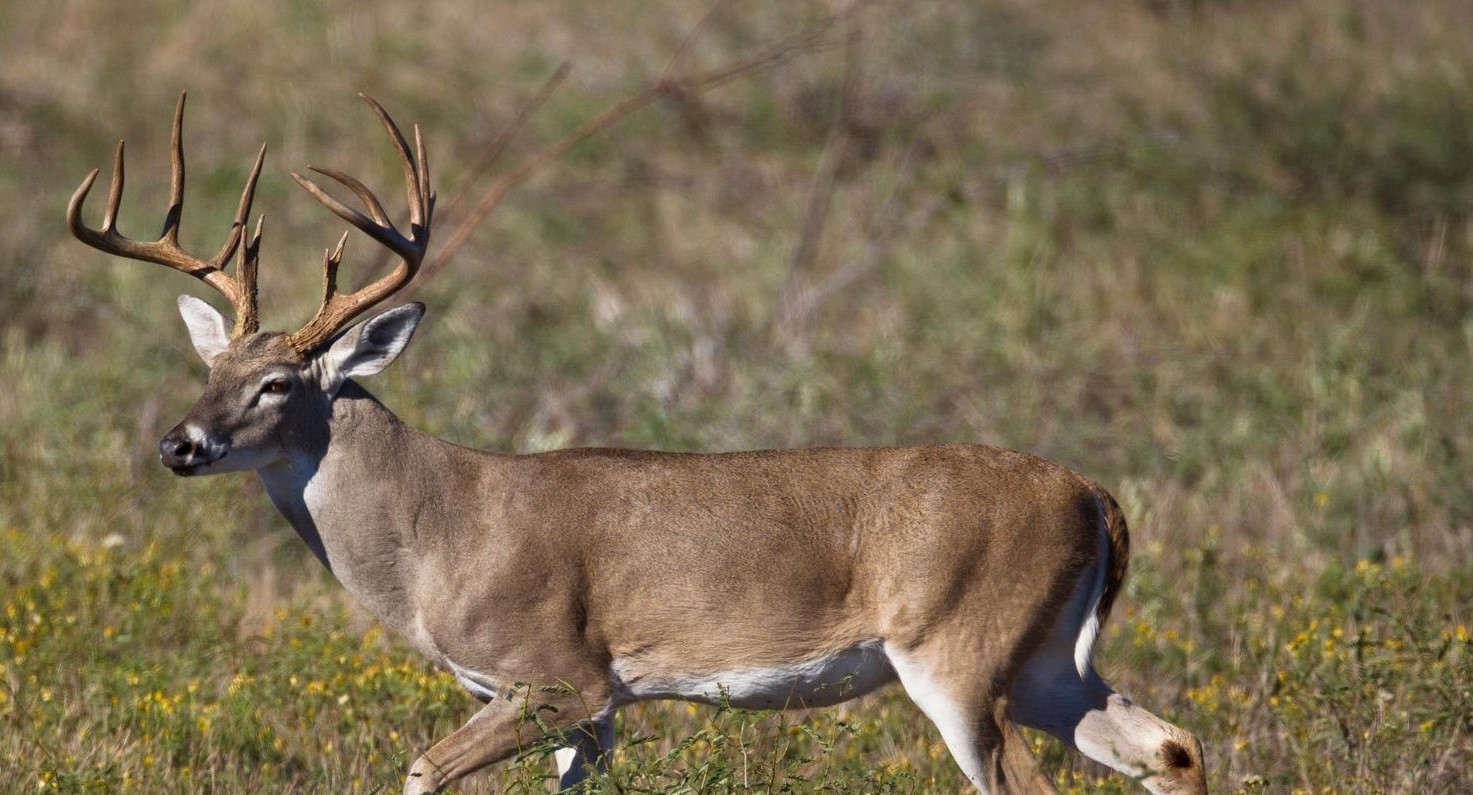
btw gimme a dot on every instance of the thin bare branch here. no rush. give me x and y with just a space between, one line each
498 146
795 303
665 84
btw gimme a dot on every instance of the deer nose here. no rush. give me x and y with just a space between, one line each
179 450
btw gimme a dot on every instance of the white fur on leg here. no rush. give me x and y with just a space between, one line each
943 711
585 744
565 757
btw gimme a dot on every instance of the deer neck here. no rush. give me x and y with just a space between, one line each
346 489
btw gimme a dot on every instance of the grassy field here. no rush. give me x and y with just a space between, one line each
1216 255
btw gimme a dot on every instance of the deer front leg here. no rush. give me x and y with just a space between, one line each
492 734
506 725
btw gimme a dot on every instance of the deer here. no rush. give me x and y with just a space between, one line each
557 587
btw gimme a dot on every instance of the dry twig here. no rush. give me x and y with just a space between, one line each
667 85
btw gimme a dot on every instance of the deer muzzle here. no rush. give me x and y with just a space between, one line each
187 450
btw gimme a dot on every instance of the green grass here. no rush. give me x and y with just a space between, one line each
1216 256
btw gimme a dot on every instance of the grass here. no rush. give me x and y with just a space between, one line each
1216 256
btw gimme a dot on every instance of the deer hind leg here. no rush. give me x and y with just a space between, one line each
1051 694
1167 759
973 722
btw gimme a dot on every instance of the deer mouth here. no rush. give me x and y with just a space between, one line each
194 465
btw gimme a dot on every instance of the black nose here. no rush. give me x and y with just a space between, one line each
176 450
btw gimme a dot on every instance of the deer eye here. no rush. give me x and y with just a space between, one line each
276 386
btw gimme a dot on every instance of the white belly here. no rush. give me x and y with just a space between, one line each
817 682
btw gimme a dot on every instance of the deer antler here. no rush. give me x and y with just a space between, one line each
240 290
337 309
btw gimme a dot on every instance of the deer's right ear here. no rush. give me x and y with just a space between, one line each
207 330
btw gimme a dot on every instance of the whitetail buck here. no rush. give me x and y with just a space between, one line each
561 586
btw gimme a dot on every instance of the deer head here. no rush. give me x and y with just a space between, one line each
269 393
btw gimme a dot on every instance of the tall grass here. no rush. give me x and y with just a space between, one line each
1215 255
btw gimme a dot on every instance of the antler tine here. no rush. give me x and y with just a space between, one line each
114 190
416 169
249 264
337 309
242 211
166 251
175 213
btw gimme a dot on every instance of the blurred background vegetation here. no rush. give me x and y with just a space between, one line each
1215 255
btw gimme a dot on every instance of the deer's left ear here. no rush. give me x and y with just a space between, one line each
367 348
